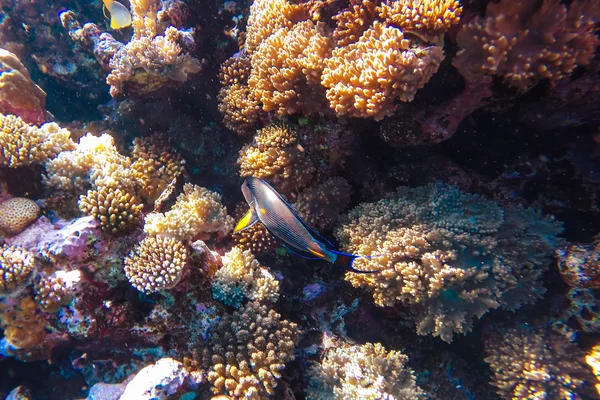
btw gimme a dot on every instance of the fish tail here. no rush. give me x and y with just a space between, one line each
346 262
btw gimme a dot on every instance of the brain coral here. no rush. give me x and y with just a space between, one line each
22 144
243 278
366 372
16 266
247 351
450 256
525 41
156 263
16 214
197 211
536 364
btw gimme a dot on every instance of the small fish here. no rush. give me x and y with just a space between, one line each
119 14
283 222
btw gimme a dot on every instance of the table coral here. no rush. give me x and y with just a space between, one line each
364 78
19 95
320 206
243 278
527 41
247 351
197 211
451 256
16 214
534 363
22 144
156 263
366 372
16 267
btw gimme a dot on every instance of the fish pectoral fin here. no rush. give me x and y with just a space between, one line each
249 219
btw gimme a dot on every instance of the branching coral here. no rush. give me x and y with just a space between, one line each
535 364
51 292
277 158
527 41
248 350
353 21
197 211
257 239
156 263
16 267
266 17
364 78
321 205
243 278
239 107
366 372
19 95
451 256
22 144
23 326
235 70
16 214
118 210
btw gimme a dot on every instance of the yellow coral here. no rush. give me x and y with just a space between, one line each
51 292
117 210
156 263
257 239
23 327
425 17
353 21
16 266
365 78
144 18
266 17
16 214
22 144
197 211
248 351
235 70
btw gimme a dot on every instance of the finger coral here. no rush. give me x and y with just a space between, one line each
19 95
156 263
367 371
16 267
248 350
535 364
365 78
239 107
527 41
242 278
451 256
22 144
197 211
16 214
277 158
321 205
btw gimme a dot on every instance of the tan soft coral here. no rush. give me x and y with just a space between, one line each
197 211
353 21
526 41
366 372
22 144
451 256
16 267
277 158
156 263
364 79
266 17
320 206
536 364
247 352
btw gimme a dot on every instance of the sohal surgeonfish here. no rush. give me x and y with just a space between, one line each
283 222
120 17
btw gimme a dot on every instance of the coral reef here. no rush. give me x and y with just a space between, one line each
16 214
116 209
579 265
242 278
530 363
353 21
528 41
320 206
365 371
16 267
256 239
451 256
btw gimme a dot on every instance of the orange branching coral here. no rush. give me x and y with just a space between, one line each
365 78
16 214
117 209
277 158
353 21
266 17
286 64
144 18
247 352
235 70
239 107
257 239
51 292
19 95
536 364
321 205
525 41
425 18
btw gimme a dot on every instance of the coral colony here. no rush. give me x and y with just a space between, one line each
453 145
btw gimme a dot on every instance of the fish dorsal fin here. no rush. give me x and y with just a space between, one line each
249 219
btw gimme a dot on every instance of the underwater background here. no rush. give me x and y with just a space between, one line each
452 145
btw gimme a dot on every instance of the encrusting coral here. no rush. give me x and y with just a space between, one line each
535 364
320 206
22 144
16 267
451 256
16 214
526 41
156 263
366 372
243 278
197 211
247 351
